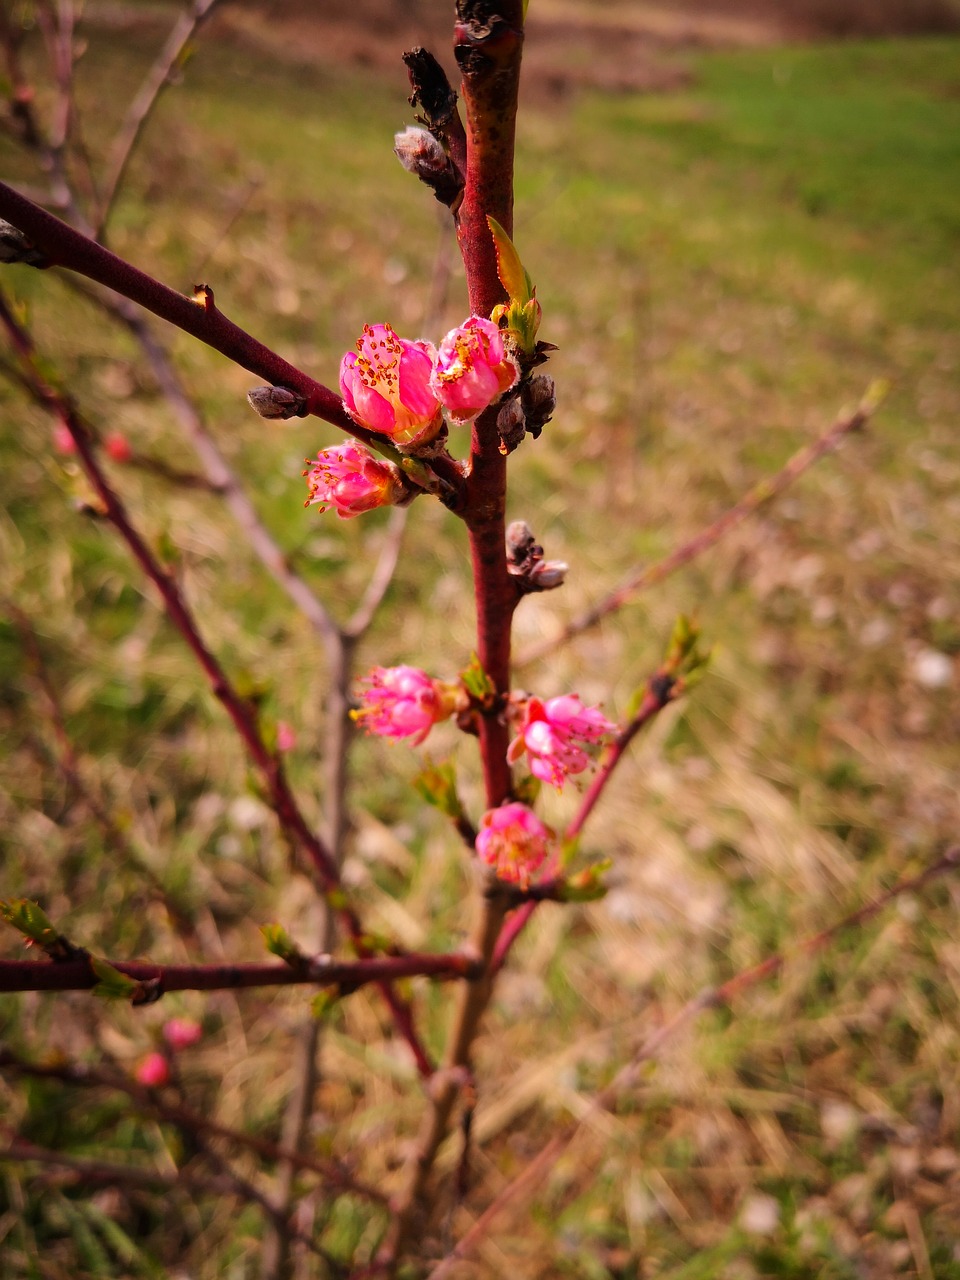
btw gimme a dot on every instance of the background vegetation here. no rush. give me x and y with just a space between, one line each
723 264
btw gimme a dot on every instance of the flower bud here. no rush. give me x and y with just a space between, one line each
539 397
385 386
520 541
513 841
117 447
511 424
547 574
153 1071
472 369
277 402
421 154
181 1033
15 247
350 479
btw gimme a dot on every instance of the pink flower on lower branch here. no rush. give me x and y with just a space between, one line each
553 735
350 479
385 386
153 1071
403 702
513 841
181 1033
472 369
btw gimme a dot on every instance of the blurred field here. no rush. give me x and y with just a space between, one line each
724 265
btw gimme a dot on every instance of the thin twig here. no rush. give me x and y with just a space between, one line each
752 501
381 577
711 998
159 979
138 112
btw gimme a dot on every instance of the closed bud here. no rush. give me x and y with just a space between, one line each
511 424
277 402
547 574
422 155
539 396
15 247
520 541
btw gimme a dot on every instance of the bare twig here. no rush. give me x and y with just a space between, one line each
712 998
158 979
138 112
381 577
752 501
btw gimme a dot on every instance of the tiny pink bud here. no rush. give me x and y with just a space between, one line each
553 735
153 1071
286 736
350 479
513 841
118 447
181 1033
472 369
63 441
400 702
385 386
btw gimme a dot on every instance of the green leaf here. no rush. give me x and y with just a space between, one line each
437 783
587 885
476 681
510 269
32 921
279 943
324 1004
113 984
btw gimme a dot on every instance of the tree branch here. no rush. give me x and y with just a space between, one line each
138 112
751 502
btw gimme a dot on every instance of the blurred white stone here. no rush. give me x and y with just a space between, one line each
760 1214
876 632
932 669
839 1121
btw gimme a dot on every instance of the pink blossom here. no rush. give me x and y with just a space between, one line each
286 736
63 440
472 369
385 386
181 1033
399 702
350 479
118 447
513 841
153 1071
553 735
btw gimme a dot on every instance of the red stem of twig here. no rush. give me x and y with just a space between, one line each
78 975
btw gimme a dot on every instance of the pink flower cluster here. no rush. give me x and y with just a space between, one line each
513 841
400 388
404 702
179 1033
553 734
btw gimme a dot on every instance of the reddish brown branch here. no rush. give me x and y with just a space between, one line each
752 501
69 248
347 975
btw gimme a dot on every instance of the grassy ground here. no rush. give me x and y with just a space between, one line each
723 268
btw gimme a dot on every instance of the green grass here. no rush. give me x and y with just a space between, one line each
722 269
